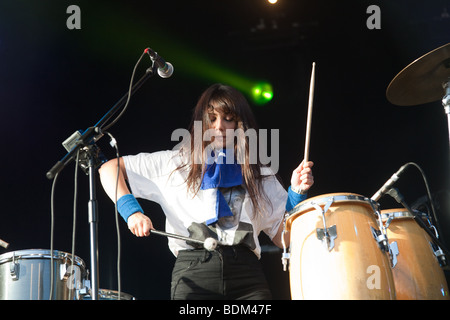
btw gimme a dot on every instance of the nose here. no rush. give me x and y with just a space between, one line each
219 124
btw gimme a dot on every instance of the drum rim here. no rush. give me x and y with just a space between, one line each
322 199
40 254
400 213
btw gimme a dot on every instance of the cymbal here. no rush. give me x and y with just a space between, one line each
421 81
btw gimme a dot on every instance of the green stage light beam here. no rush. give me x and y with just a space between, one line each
122 31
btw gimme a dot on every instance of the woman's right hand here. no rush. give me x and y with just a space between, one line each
139 224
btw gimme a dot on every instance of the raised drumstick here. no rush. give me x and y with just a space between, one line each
310 109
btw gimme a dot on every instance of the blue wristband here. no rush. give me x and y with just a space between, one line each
127 205
294 199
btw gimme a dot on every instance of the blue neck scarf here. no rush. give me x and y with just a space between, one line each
219 174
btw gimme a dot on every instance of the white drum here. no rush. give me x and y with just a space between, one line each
26 275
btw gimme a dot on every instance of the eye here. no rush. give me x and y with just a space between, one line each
230 118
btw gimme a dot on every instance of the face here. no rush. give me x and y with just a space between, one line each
220 123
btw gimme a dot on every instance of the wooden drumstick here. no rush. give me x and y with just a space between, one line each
4 244
310 109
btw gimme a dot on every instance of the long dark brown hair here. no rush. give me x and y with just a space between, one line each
229 102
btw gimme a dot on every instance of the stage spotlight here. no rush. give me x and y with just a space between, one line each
262 93
272 1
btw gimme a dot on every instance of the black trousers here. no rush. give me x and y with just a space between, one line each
227 273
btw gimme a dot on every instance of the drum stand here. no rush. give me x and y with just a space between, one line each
90 160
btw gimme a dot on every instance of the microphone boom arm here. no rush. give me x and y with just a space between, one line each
93 134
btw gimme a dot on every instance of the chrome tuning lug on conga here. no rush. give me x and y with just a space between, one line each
440 255
393 253
438 252
326 235
381 237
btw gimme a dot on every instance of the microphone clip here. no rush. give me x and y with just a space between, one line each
164 69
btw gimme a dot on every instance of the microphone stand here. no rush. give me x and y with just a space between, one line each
393 192
86 144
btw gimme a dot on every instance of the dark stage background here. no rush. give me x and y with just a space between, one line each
54 81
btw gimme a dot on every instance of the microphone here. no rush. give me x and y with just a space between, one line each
388 184
165 69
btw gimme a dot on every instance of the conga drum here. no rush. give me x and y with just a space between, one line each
417 272
334 252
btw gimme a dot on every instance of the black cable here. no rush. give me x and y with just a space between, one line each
430 199
107 126
52 219
114 144
116 213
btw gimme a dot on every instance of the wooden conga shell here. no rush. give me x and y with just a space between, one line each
356 268
417 274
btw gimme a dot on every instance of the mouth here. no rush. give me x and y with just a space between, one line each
218 141
220 138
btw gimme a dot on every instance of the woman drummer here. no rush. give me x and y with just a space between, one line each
214 188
